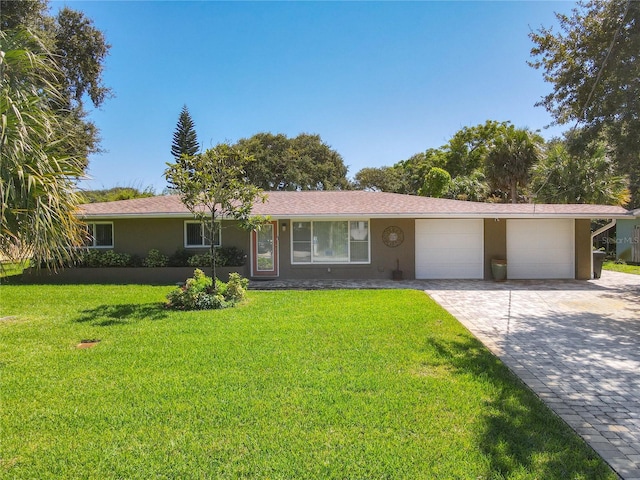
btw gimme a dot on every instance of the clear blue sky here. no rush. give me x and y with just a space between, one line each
378 82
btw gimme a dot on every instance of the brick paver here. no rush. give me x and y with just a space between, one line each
575 344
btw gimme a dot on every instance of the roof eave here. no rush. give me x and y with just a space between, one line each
125 216
461 215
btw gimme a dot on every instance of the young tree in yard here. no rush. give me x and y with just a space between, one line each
510 159
592 63
185 140
37 176
213 185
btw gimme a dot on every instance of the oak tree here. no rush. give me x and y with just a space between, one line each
592 64
304 162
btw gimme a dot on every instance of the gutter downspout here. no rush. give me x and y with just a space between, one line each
598 232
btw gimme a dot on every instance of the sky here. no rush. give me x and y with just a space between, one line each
378 81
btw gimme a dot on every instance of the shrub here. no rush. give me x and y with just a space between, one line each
236 287
136 261
200 260
225 257
104 258
90 258
230 257
180 258
155 259
199 293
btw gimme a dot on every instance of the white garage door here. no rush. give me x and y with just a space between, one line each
540 249
450 248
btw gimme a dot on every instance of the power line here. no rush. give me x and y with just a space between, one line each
604 62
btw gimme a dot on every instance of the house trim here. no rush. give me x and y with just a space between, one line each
93 238
313 220
203 244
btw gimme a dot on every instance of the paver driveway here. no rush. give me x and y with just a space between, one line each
575 343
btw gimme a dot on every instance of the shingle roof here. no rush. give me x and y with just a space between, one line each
355 204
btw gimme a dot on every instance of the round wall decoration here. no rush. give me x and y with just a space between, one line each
393 236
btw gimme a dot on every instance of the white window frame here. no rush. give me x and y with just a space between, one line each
202 238
92 239
349 221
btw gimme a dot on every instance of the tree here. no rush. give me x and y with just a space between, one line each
560 177
436 183
509 161
301 163
382 179
414 169
115 194
213 185
80 52
185 140
77 50
37 178
467 150
593 65
464 155
473 187
30 15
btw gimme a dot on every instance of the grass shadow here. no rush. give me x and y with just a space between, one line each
107 315
519 433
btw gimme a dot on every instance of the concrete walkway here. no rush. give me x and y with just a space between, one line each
576 344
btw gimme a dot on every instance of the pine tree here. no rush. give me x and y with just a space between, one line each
185 140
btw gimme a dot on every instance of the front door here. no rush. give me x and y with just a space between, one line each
264 251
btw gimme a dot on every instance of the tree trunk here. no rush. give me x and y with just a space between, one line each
213 249
514 191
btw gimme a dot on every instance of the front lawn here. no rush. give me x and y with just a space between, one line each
620 267
295 384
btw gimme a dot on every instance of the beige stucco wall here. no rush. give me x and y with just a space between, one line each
138 236
583 249
383 258
495 243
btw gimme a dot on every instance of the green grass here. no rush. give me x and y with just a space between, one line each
321 384
617 267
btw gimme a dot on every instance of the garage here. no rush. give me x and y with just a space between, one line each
449 248
540 248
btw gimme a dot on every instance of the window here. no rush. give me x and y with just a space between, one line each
330 242
100 235
196 235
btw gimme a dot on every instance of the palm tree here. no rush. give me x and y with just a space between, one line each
510 159
561 177
37 180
